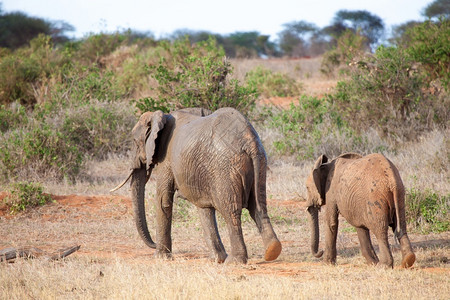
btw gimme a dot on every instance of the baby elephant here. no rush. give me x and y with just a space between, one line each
369 194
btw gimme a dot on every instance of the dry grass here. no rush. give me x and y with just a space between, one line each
113 263
130 279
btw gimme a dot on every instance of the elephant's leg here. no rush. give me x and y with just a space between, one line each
238 249
271 243
331 229
385 251
408 256
366 246
211 233
163 210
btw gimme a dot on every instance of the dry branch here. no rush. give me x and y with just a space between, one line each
10 254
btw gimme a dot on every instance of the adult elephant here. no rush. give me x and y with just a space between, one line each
214 160
368 192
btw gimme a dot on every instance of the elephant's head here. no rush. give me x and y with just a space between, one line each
315 183
145 133
315 186
145 136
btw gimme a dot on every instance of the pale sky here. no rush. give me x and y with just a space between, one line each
163 17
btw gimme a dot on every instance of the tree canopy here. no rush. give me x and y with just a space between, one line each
437 8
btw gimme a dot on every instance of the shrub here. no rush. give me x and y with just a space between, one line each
312 128
23 195
11 118
385 91
272 84
38 151
428 44
427 211
196 76
96 46
349 46
98 128
81 84
22 71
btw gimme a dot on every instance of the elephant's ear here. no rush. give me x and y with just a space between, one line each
320 174
155 125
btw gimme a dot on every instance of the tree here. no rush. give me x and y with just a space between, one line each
369 25
294 38
17 29
437 8
398 32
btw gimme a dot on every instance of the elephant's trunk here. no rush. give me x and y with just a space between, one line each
138 181
314 225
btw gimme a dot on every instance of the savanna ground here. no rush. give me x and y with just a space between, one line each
113 263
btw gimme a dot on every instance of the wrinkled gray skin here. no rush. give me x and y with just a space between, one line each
368 192
217 162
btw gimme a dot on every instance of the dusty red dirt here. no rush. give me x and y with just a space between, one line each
110 209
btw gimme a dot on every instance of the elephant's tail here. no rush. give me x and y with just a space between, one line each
399 200
256 182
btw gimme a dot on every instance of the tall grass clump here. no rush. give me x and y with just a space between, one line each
195 76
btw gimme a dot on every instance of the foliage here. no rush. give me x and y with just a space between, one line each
395 89
22 70
98 128
305 127
427 211
196 76
370 26
437 8
11 118
18 29
293 38
272 84
349 46
23 195
40 151
428 44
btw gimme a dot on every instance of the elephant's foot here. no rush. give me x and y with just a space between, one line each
273 251
235 260
163 255
218 257
408 260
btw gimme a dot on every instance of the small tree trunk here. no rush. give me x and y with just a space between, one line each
10 254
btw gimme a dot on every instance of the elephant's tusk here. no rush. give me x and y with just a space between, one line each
122 184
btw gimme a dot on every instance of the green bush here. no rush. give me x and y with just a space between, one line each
81 84
23 195
23 71
195 76
428 44
12 118
38 151
96 46
349 46
99 128
306 129
427 211
385 91
270 84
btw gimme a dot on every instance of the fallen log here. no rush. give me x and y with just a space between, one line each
10 254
